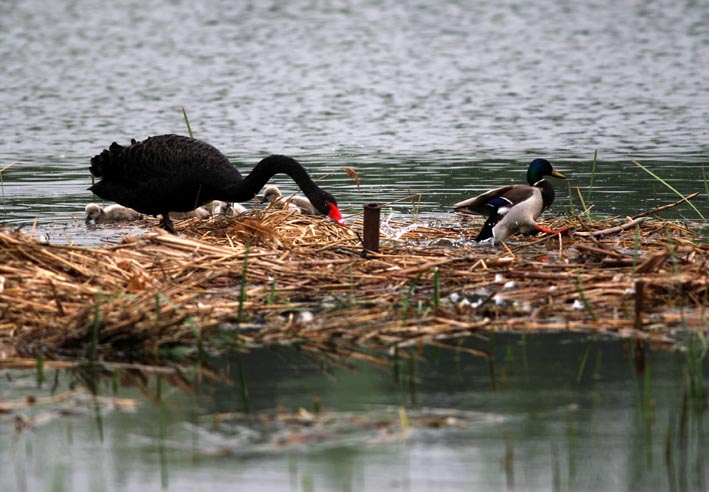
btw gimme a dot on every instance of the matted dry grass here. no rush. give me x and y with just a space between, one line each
308 285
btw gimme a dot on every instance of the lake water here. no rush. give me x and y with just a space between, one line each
443 99
593 416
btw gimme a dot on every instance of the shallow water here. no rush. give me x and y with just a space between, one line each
592 416
443 99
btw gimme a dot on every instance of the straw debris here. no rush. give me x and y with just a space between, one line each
308 285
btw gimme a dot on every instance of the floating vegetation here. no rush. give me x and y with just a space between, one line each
278 278
279 429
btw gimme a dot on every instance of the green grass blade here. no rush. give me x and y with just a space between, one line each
242 289
242 383
95 327
40 370
187 121
272 294
582 361
593 175
2 187
571 199
669 186
198 337
582 295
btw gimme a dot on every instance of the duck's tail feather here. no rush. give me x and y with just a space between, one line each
486 231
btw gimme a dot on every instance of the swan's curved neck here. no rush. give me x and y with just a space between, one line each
275 164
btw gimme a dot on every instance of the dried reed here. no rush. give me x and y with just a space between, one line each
279 278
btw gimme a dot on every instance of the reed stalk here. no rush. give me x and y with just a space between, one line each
201 352
395 364
404 418
4 203
272 292
642 386
571 212
187 122
582 295
415 203
593 175
352 298
648 402
665 183
583 202
411 380
2 187
491 362
636 248
571 438
244 389
157 308
162 447
242 288
95 326
509 462
406 297
696 355
40 369
582 361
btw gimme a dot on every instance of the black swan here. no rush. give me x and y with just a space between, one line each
177 173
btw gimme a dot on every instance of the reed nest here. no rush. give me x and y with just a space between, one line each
283 279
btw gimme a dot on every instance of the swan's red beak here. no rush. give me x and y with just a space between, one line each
335 214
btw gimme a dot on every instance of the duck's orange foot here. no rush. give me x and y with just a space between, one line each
551 231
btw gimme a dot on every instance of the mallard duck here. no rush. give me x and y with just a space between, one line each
273 195
96 214
514 208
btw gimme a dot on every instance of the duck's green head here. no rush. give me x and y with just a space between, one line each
540 168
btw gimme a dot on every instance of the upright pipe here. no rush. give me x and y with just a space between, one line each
371 226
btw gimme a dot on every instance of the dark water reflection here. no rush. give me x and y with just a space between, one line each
550 412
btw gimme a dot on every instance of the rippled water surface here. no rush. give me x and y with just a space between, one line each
439 98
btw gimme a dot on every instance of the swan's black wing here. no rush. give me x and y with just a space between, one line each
163 173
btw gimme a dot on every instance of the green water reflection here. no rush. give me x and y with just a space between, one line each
548 412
